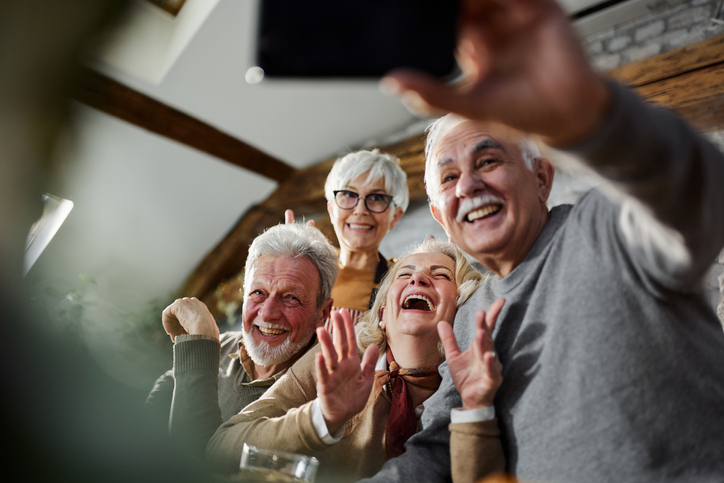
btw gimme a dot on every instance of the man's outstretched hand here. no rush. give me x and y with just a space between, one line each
523 66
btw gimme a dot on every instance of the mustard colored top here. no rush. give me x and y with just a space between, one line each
353 288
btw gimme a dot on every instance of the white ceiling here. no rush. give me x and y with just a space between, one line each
299 122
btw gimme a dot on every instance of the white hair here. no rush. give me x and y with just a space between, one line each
379 165
440 127
295 240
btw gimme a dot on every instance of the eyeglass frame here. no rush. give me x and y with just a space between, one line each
384 195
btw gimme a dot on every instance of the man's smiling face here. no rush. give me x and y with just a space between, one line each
280 309
490 203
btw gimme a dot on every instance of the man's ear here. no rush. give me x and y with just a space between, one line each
544 172
330 209
437 214
396 218
324 312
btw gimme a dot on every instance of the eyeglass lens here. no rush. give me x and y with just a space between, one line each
375 202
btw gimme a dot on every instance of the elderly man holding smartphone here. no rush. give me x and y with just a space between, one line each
613 360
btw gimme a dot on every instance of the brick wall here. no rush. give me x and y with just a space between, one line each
665 30
668 29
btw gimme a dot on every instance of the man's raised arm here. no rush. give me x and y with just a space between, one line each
524 67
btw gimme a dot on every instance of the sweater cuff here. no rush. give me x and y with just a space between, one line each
196 354
487 428
459 415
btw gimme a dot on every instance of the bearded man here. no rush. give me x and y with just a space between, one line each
289 274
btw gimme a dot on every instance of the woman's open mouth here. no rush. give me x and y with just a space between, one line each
418 302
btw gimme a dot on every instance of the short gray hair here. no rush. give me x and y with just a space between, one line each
295 240
467 278
379 165
441 126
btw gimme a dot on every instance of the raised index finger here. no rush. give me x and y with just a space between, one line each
288 217
447 336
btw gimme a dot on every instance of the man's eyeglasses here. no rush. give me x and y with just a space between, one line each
375 202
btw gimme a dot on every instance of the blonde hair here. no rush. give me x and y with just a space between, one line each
467 278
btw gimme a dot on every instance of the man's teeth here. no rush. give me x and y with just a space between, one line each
484 211
266 331
360 227
410 302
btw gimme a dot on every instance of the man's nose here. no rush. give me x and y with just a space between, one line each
271 310
469 184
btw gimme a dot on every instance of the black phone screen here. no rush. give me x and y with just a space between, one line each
365 38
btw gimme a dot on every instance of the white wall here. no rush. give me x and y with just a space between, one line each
143 204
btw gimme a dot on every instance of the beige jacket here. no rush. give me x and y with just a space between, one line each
282 420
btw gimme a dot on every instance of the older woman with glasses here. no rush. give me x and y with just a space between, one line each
366 195
352 416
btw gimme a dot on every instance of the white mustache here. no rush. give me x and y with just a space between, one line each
469 204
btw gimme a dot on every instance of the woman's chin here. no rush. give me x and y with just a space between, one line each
360 244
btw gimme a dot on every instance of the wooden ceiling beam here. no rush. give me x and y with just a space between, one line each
116 99
671 64
697 96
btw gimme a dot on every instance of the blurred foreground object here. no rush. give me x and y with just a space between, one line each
64 420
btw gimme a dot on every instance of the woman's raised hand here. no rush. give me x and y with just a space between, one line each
289 218
343 384
477 371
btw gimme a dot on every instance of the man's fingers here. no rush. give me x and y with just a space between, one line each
447 336
171 325
288 217
421 93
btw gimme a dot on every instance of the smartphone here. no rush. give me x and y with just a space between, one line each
355 39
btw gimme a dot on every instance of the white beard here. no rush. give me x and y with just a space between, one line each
264 355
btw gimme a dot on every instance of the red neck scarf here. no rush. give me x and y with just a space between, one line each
402 422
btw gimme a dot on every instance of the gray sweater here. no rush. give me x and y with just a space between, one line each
613 360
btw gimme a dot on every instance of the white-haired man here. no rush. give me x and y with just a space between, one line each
613 360
289 274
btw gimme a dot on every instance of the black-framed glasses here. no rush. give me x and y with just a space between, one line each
375 202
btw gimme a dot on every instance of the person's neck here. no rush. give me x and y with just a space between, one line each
359 260
511 255
417 353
